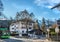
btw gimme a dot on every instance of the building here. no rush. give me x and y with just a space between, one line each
58 23
53 34
23 25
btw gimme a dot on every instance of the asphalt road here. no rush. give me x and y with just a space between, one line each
15 40
12 40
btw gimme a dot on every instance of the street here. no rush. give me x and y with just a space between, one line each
10 40
13 40
16 40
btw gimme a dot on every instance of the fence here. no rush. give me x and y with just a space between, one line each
55 37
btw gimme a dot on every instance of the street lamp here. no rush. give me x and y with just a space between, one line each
57 31
48 32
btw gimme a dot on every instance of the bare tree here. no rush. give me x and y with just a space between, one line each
1 6
11 18
43 26
17 16
32 15
48 23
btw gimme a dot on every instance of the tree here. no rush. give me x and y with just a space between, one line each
32 15
36 25
24 16
1 6
17 16
48 23
43 25
11 18
54 25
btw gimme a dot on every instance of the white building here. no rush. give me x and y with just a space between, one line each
21 27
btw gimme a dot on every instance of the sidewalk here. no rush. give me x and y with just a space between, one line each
32 40
23 39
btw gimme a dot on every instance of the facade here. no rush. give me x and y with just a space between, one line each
20 27
14 28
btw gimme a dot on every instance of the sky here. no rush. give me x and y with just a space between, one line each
40 8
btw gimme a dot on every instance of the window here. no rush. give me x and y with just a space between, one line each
23 27
22 31
30 23
12 28
29 27
16 27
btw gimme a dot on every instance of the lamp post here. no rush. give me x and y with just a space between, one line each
48 32
57 31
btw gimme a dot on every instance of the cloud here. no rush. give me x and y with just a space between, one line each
49 6
46 3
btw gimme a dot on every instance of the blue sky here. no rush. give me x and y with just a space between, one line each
40 8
